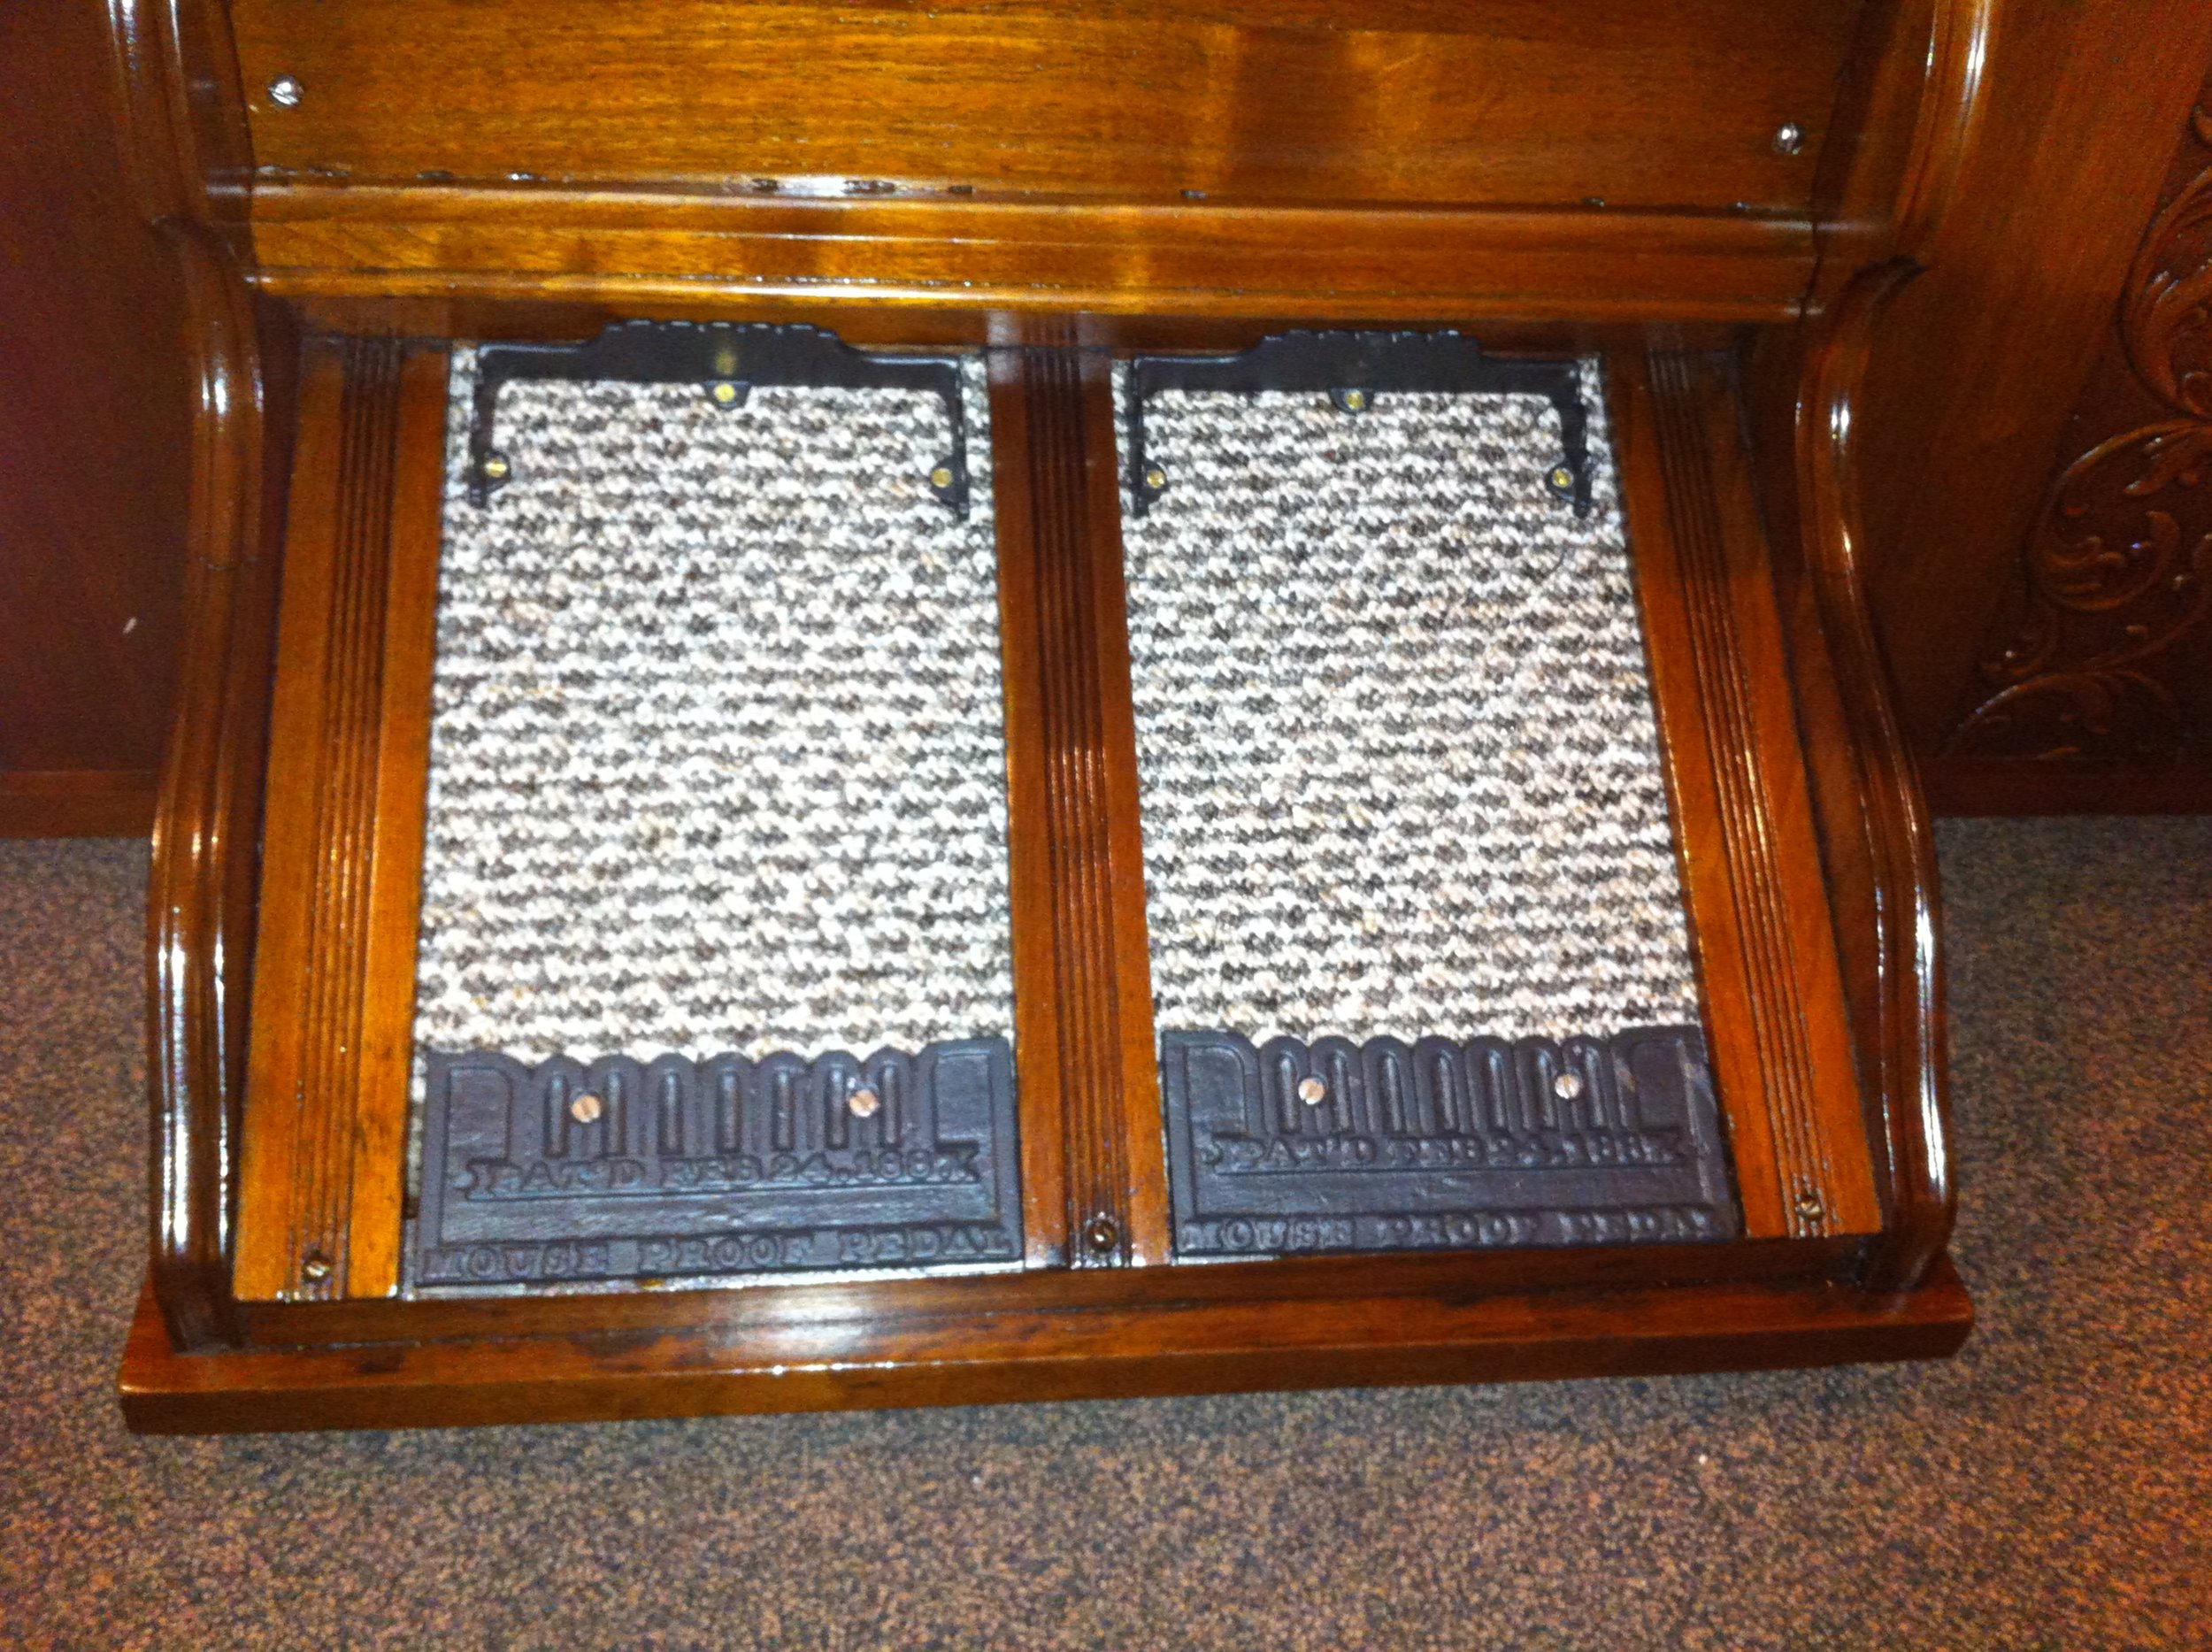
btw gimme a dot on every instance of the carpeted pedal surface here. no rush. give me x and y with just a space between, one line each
2049 1488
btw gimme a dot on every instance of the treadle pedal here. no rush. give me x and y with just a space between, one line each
698 855
1418 939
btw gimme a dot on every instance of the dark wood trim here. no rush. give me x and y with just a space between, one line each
188 160
1361 1341
324 1163
628 246
1093 1160
1991 786
1775 1011
1877 843
78 802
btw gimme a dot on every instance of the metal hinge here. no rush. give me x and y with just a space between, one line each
1355 368
725 360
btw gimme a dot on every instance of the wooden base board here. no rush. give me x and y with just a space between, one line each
1968 787
1121 1353
77 802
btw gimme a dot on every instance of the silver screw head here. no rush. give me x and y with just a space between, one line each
1101 1233
316 1268
286 91
1808 1205
1312 1092
1789 138
586 1109
1567 1086
863 1103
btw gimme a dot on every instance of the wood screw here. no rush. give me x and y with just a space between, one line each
495 467
1101 1234
863 1103
1567 1086
1808 1205
286 91
942 476
1789 138
1312 1092
585 1109
316 1268
1156 479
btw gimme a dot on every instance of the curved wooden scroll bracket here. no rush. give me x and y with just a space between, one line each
1891 840
185 142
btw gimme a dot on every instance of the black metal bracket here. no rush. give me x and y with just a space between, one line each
725 360
1355 368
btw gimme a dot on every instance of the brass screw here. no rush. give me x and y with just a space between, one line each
724 394
1101 1234
863 1103
1567 1086
942 476
316 1268
1562 478
1357 400
1312 1092
585 1109
1808 1205
1156 477
495 467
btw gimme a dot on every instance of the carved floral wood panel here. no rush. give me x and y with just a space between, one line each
2106 655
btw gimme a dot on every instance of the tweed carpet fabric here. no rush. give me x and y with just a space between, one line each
1394 733
717 761
2044 1492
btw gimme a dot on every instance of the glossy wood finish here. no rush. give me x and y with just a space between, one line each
94 443
629 249
1774 1008
1983 361
324 1169
1401 101
1412 160
185 141
1358 1341
1095 1182
548 256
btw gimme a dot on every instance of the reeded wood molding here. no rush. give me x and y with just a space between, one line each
1776 1012
1893 840
325 1143
1094 1171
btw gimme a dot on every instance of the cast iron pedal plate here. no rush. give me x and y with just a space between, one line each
1385 1146
562 1172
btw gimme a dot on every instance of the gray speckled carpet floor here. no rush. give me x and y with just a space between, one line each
2051 1487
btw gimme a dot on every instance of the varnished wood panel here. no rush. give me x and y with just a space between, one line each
1095 1189
1775 1009
326 1088
1354 1340
1398 101
1983 357
95 443
633 246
